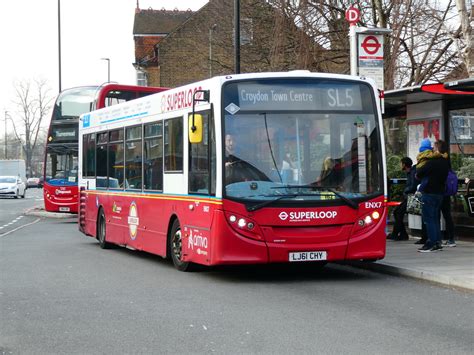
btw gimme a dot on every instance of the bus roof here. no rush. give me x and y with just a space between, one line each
181 97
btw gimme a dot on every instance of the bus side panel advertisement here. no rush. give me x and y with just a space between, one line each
196 244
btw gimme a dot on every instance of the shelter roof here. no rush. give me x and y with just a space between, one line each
450 91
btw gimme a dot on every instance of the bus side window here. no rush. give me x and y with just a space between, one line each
173 145
133 157
88 155
153 156
115 157
101 160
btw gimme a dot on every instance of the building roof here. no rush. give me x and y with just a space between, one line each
158 22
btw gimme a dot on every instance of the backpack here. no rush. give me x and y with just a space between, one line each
451 184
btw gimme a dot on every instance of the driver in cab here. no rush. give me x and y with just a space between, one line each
236 169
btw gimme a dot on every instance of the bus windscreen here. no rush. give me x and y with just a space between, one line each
300 136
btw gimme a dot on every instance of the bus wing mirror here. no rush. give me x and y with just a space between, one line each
195 128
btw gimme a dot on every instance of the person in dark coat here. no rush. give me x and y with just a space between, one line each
442 147
433 174
399 232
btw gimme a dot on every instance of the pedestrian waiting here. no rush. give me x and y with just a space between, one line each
399 232
442 147
432 170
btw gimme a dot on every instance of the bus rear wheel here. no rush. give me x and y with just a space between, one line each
175 247
101 231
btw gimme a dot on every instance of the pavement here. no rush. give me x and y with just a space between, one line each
451 267
39 211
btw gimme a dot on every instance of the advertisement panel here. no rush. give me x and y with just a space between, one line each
419 130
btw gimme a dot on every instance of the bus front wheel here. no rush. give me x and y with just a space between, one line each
176 247
101 231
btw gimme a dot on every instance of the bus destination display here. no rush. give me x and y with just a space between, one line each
325 97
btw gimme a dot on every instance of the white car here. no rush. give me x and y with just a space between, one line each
12 186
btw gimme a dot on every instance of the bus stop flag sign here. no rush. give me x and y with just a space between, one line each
352 15
371 57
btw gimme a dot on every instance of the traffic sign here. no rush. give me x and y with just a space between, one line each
371 45
371 57
352 15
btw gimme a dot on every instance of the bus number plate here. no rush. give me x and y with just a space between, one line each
308 256
64 209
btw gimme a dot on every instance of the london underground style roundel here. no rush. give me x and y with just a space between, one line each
133 220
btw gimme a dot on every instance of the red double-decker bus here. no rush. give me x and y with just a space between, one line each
241 169
60 166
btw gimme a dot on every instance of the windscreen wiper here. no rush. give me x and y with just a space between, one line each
348 201
260 205
269 202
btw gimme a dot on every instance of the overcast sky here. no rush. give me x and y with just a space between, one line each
90 30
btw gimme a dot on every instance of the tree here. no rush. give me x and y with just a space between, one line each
34 103
466 40
423 46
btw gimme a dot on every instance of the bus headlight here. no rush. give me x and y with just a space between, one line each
244 226
375 215
367 221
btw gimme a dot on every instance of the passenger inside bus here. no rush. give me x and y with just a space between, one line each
289 172
328 174
334 174
237 169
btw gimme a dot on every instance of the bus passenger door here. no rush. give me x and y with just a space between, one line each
202 186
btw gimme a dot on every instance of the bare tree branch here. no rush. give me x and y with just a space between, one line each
32 110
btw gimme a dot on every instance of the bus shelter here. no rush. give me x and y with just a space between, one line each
434 111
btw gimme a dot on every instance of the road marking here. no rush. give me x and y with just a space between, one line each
14 221
20 227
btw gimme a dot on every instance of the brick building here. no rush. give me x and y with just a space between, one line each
149 28
202 45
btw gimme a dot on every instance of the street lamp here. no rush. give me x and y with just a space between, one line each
108 68
7 115
211 30
59 43
237 36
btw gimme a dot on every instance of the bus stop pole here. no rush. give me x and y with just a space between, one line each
353 48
